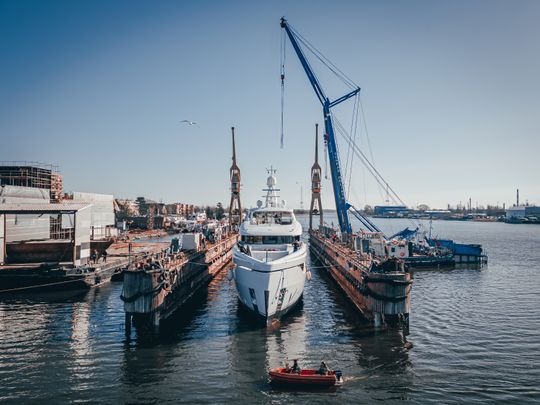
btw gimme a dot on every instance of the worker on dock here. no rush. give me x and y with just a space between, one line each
93 256
104 256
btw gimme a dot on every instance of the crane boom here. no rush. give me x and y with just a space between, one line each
335 168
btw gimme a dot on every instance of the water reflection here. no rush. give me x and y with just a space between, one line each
68 349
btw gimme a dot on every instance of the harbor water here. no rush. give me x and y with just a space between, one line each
474 338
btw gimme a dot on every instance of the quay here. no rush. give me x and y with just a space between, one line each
63 276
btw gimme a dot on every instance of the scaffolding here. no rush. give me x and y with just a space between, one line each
32 174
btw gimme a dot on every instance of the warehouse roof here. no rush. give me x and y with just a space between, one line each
32 208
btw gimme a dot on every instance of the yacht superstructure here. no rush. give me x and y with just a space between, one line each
270 257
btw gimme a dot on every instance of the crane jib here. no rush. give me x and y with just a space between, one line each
335 168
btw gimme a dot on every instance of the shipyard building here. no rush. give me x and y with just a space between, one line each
522 211
41 224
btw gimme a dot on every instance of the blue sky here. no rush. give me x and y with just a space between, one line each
450 92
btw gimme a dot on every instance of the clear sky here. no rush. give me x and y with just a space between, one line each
450 92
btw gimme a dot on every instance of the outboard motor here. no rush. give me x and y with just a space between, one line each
339 375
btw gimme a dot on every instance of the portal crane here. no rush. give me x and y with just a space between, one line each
316 178
235 207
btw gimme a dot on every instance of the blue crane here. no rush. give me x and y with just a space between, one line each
342 206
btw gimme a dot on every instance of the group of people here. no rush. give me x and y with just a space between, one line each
95 256
323 369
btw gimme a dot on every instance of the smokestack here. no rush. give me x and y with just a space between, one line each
517 197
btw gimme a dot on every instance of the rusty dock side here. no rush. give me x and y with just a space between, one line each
382 296
153 292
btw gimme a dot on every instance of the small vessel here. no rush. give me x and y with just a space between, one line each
270 258
309 377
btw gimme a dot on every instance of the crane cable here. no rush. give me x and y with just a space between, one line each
282 75
346 172
354 131
324 60
343 132
370 167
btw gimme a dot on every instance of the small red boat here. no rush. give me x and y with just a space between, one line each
305 377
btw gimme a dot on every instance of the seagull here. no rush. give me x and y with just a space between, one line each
189 122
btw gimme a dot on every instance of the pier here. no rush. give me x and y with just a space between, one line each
61 276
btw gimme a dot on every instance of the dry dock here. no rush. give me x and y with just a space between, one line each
382 296
152 292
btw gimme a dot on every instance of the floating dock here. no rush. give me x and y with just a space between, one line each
382 295
155 290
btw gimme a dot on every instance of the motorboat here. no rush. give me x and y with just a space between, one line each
306 377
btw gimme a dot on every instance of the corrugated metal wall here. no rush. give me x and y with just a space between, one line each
82 235
25 227
102 210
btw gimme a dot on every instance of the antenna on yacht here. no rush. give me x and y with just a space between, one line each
271 198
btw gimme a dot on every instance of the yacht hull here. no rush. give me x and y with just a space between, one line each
271 289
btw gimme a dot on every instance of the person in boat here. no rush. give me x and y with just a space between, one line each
295 367
287 368
323 369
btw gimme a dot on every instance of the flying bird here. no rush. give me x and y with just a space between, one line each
189 122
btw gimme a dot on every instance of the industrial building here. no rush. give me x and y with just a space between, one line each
181 209
33 175
40 223
71 245
518 212
102 219
390 211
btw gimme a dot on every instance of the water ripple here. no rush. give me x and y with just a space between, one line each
474 338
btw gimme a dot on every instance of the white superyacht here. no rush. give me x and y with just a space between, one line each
270 258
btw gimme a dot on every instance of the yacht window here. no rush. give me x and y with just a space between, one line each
275 217
286 218
254 240
270 239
